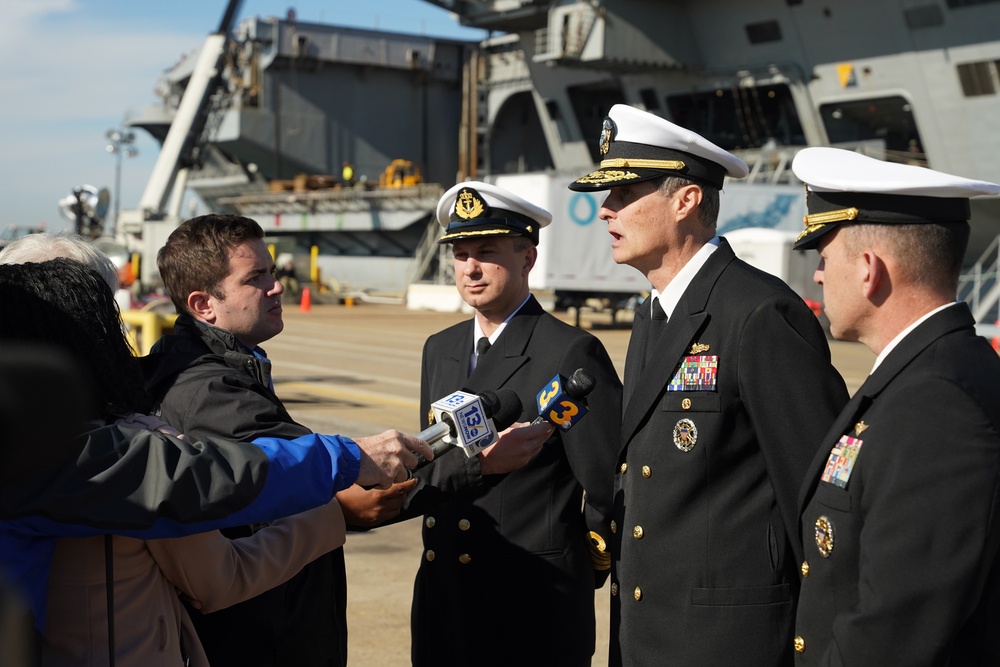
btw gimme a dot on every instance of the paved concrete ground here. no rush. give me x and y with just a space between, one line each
356 371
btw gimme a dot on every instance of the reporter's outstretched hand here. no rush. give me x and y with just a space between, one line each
389 457
364 508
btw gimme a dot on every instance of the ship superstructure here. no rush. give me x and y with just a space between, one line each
916 81
296 101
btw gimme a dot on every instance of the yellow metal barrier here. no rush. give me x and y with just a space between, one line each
146 327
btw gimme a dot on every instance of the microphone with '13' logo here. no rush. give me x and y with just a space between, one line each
470 422
563 402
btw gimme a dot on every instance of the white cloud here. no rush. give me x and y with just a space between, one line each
16 15
81 68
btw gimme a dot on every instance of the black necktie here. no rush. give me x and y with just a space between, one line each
657 318
482 346
657 312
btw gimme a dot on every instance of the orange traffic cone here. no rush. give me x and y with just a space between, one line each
305 303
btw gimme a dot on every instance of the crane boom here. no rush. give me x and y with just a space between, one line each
189 121
152 219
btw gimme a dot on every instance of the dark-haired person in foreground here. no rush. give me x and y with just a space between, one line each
64 304
176 489
212 379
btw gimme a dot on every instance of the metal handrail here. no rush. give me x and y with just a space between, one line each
980 286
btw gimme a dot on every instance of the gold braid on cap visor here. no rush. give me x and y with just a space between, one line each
607 176
479 232
620 162
615 166
816 221
831 216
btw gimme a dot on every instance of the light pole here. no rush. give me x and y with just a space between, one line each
121 143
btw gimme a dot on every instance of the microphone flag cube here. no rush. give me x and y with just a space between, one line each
473 430
557 406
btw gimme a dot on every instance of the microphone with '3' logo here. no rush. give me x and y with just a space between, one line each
563 401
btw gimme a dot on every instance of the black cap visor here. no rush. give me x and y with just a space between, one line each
827 210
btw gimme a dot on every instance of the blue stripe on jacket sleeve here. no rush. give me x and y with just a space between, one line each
302 473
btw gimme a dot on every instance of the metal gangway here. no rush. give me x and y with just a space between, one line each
980 288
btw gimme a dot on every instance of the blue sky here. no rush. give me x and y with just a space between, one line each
73 69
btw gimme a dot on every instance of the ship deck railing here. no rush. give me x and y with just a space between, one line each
332 200
980 288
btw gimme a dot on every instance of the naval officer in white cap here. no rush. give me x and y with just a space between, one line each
728 388
513 570
900 510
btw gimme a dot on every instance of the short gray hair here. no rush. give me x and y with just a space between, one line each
708 210
927 254
43 246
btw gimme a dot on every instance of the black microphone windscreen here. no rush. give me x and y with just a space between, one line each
490 401
581 383
508 409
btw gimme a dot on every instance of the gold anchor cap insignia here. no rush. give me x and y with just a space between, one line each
698 348
468 205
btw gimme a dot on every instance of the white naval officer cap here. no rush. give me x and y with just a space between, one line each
638 146
473 209
844 187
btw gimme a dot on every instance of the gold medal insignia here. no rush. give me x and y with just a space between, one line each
685 435
824 536
860 427
698 348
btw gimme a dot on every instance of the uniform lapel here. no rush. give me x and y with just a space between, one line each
453 369
634 358
944 322
509 352
859 403
674 341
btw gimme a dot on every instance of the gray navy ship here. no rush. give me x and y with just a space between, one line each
286 104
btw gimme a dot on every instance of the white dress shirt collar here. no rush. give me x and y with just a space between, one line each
675 289
902 334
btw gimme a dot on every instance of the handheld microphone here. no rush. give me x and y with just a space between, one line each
469 421
563 402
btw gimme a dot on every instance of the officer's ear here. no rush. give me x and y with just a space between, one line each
686 200
530 257
873 274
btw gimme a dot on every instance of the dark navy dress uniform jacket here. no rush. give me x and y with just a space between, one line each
707 478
